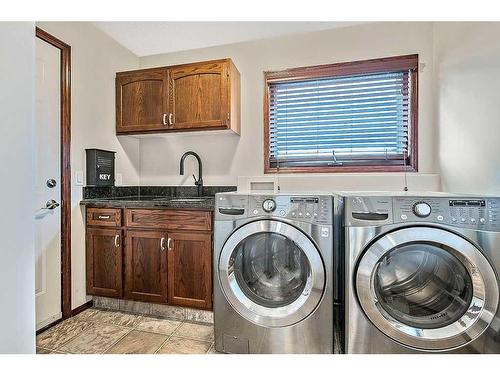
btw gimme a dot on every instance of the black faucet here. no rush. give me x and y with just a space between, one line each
198 182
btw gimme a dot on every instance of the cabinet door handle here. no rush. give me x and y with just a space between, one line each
117 237
162 244
103 217
170 119
168 244
164 120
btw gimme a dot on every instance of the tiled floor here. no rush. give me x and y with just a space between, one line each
101 331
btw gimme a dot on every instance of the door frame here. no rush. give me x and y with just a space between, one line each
65 78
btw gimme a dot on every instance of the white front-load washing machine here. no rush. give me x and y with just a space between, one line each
273 282
421 274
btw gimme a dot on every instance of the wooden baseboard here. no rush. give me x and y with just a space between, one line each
49 326
74 312
81 308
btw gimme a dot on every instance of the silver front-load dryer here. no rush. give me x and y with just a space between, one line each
422 274
273 284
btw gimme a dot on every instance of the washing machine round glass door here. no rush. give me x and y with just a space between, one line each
271 273
427 288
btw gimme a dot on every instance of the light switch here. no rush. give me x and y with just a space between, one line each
79 178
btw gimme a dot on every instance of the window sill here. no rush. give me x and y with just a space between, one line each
343 169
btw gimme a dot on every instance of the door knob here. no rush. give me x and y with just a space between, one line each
50 205
51 183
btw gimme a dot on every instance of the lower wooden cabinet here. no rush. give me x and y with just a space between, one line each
146 266
190 269
158 262
104 262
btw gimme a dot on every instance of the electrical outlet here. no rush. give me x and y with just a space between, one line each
118 179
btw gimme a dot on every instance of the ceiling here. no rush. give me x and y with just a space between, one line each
150 38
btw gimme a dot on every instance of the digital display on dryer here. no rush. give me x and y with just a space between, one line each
467 203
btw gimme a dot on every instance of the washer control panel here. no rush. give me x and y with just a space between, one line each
314 208
473 213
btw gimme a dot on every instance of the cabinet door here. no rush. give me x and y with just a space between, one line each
190 269
142 101
146 266
104 262
199 96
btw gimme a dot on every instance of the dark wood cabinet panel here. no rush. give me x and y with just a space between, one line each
161 255
168 219
197 96
190 269
104 262
146 266
104 217
141 101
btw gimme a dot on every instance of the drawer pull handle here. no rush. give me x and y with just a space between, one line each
104 217
164 120
168 244
117 237
162 244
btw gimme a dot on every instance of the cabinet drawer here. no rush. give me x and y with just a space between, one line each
104 217
168 219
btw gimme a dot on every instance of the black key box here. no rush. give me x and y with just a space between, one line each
100 167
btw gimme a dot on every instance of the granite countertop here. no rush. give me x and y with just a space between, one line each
201 203
178 197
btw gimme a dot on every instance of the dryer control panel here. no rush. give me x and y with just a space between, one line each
315 209
473 213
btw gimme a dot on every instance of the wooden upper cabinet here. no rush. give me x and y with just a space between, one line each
188 97
141 101
199 95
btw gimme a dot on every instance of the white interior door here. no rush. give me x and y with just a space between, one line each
48 167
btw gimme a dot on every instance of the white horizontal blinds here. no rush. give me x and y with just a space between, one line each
362 119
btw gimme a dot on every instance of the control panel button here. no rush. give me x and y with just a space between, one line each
404 217
282 212
255 212
472 220
462 220
325 232
269 205
482 220
454 219
422 209
440 218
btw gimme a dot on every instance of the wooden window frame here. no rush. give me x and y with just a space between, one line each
379 65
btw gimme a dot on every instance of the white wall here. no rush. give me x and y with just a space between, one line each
17 265
467 68
226 157
95 60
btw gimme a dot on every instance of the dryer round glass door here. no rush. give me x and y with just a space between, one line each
271 273
427 288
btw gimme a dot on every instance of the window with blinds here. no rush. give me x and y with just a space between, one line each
335 119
